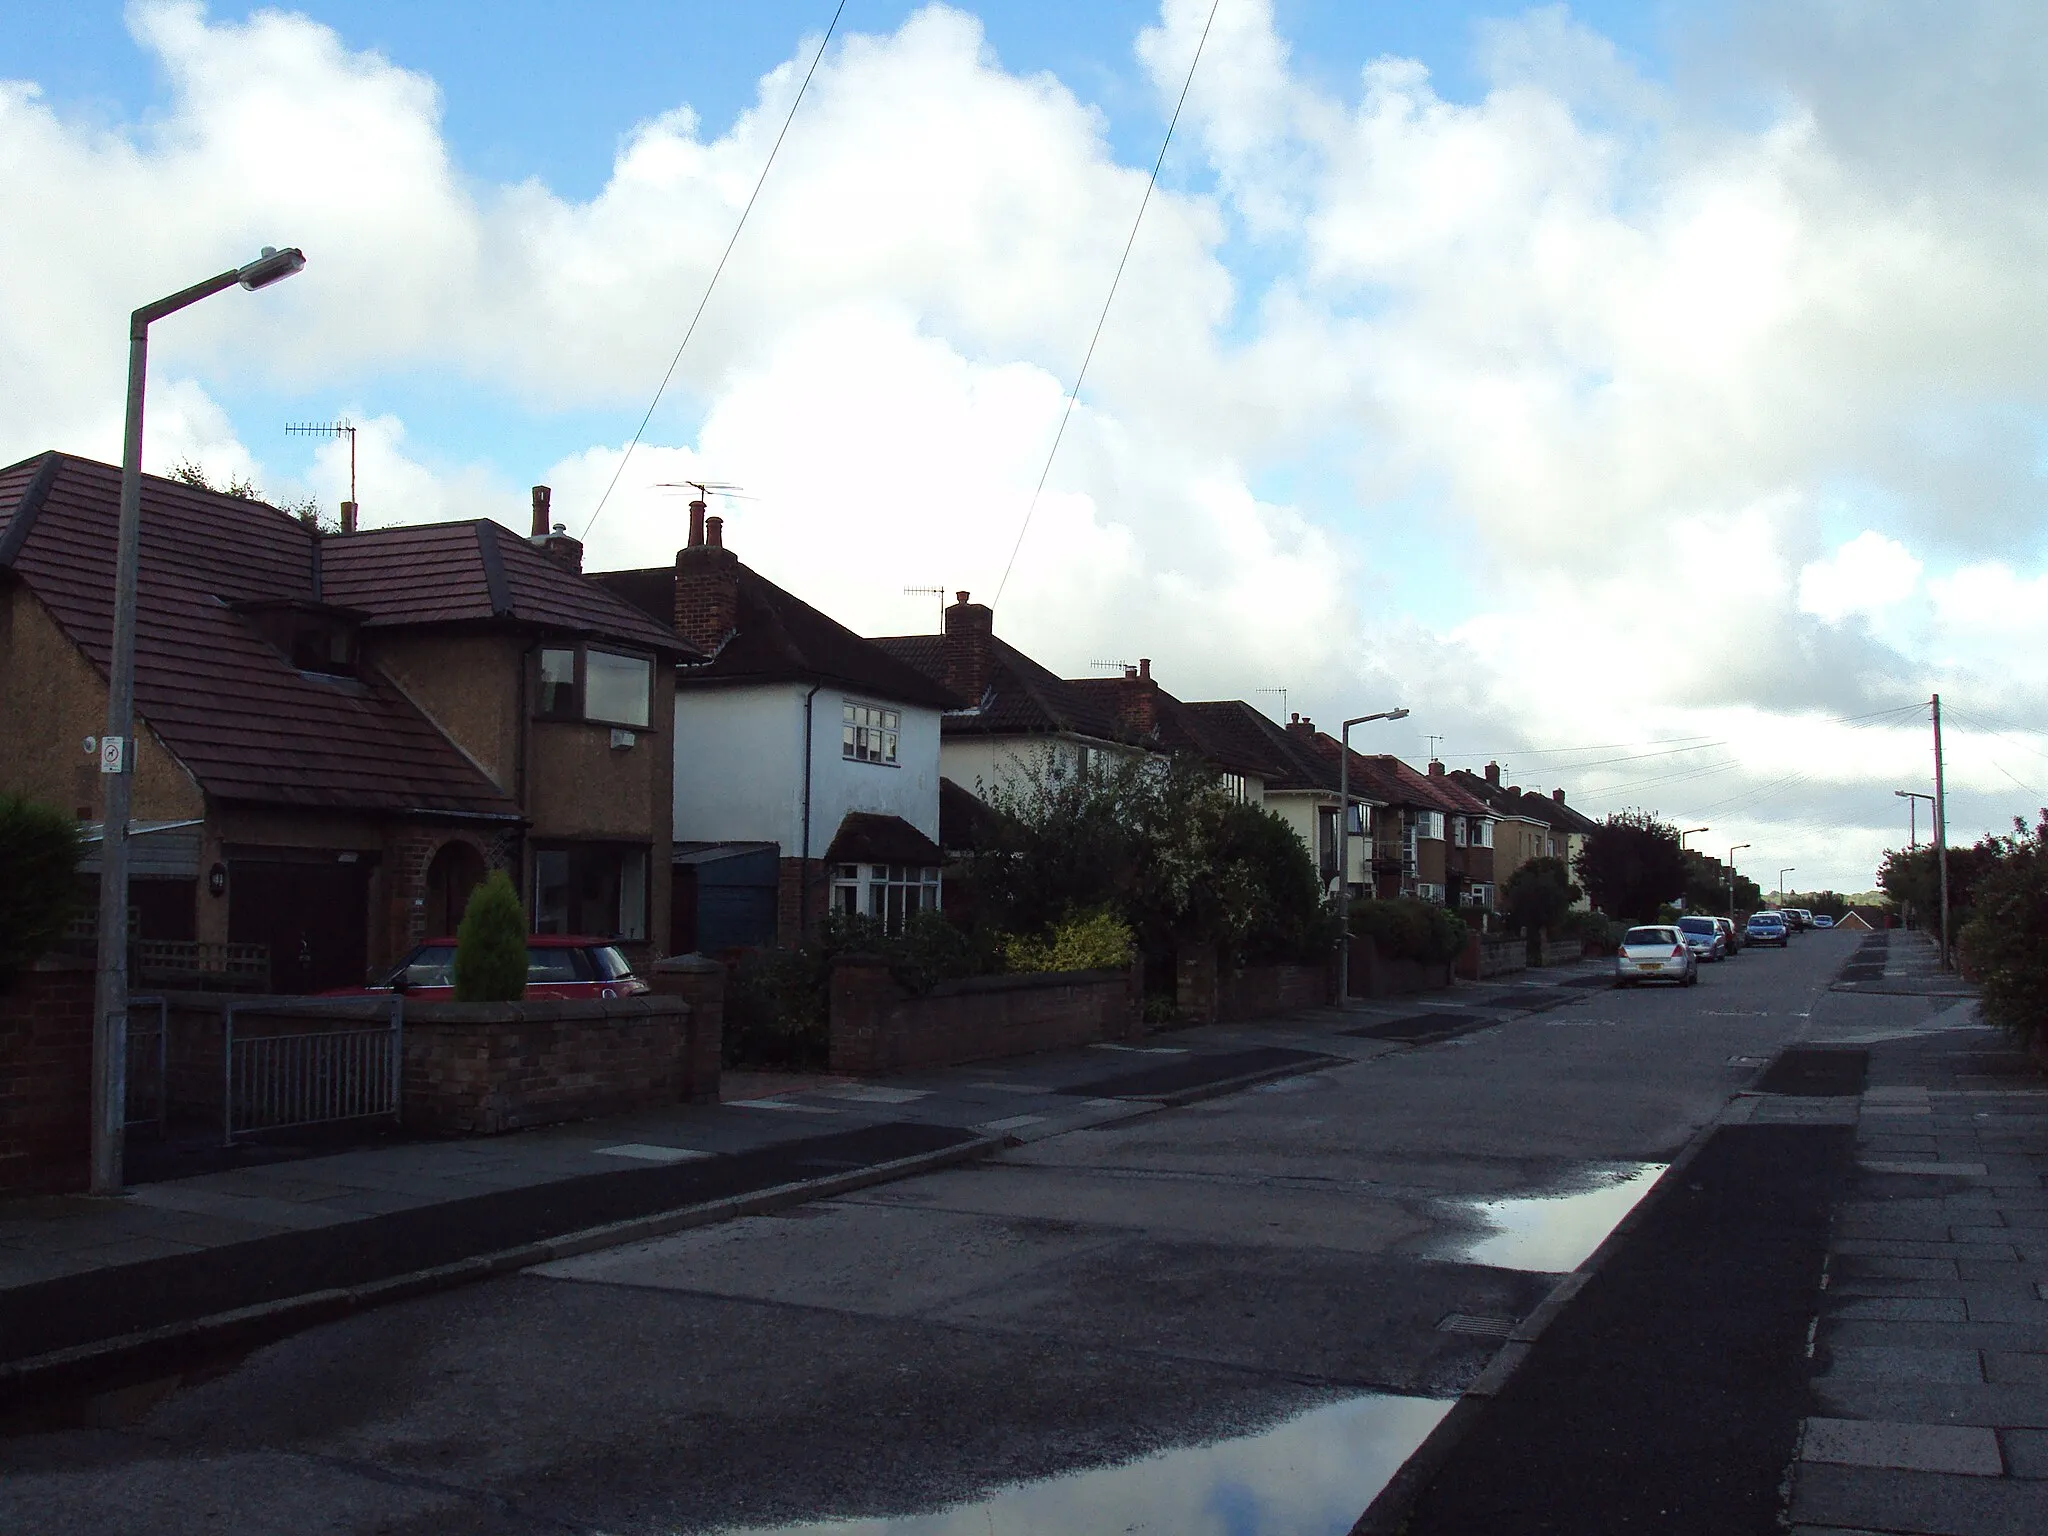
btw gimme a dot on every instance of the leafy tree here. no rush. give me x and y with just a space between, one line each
1406 929
1632 865
1914 876
2005 942
490 946
1538 895
39 891
305 509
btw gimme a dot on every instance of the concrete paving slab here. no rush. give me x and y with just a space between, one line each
1992 1405
1963 1450
1879 1362
1891 1309
1921 1503
2026 1452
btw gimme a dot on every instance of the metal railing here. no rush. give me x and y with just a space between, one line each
311 1077
149 1064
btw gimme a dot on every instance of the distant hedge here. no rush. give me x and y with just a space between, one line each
39 891
1411 930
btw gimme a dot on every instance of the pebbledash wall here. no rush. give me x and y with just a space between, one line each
877 1025
46 1080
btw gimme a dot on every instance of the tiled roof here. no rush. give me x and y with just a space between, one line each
246 723
778 637
1287 761
1511 800
1023 698
477 572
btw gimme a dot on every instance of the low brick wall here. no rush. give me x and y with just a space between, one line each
1374 976
1565 951
476 1069
700 982
878 1026
1263 991
1485 958
46 1080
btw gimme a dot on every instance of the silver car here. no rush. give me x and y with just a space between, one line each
1658 953
1703 936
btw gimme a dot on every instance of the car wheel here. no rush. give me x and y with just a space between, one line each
1692 977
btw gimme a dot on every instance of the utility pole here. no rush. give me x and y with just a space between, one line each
1941 830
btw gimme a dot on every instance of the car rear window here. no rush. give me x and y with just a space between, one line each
609 963
555 964
431 965
1650 936
1699 925
1766 920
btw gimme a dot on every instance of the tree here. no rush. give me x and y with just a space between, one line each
490 946
1538 895
39 892
306 509
2005 942
1632 865
1914 875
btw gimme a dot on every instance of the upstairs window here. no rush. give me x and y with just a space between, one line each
867 734
580 682
1235 787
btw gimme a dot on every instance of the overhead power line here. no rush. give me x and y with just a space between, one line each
691 330
1074 394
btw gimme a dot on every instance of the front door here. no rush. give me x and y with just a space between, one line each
311 910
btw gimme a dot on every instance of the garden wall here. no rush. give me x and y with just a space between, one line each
1262 991
1565 951
1487 957
1373 975
879 1026
46 1079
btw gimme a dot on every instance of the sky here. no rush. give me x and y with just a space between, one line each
1649 397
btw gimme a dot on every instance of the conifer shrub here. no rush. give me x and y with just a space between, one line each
490 946
39 891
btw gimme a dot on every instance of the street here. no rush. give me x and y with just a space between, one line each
1240 1315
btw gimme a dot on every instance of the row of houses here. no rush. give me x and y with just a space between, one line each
338 735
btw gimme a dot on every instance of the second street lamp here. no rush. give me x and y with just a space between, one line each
1731 878
117 746
1344 846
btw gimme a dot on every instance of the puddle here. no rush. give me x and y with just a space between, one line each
1310 1476
1555 1234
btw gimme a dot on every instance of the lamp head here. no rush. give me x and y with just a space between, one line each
1397 714
273 266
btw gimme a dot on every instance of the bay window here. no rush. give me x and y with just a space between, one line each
598 889
890 893
583 682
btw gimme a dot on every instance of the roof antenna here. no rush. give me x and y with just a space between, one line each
939 593
1432 740
334 429
1283 698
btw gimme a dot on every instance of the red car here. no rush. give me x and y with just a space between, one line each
557 966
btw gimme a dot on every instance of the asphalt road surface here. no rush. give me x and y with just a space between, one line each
1236 1316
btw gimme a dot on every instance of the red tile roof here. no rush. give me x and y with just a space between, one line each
1022 698
229 706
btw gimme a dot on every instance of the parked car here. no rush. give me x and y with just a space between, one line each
1799 917
558 966
1822 920
1704 938
1731 933
1660 953
1767 928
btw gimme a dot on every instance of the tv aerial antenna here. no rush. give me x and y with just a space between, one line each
341 428
939 593
1432 740
1283 699
706 489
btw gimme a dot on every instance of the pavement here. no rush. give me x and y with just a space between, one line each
1516 1258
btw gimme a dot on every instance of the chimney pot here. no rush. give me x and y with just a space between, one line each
1514 789
961 596
696 523
714 532
348 517
1144 666
541 496
1297 718
1493 773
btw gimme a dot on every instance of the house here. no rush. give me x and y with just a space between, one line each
1301 784
806 757
1434 842
338 735
1532 825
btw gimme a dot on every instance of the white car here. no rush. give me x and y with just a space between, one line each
1657 953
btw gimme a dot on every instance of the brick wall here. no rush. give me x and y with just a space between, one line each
476 1069
1263 991
700 983
1374 975
876 1026
1492 957
46 1080
1565 951
794 920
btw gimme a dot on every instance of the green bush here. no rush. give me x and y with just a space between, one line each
39 891
776 1011
490 946
1538 895
1091 942
1591 928
1411 930
2005 942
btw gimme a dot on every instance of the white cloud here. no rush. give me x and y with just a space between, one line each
1865 576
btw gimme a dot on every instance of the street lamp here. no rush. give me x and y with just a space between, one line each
117 746
1344 846
1913 797
1688 832
1787 870
1731 878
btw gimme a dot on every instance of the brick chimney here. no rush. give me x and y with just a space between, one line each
1493 774
1436 769
970 648
707 585
348 517
1300 727
1137 699
1557 795
553 538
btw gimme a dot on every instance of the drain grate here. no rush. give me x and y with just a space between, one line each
1484 1327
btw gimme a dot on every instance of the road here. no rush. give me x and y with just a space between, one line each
1236 1316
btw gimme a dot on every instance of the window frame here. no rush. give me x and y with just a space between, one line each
579 688
855 725
577 859
864 890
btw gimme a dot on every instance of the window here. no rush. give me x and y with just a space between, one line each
1430 824
1482 833
583 683
1234 786
1355 820
594 888
889 893
867 734
1457 831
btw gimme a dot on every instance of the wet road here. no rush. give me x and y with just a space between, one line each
1237 1316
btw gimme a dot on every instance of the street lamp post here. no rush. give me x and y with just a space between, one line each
1787 870
117 746
1731 878
1913 797
1688 832
1344 846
